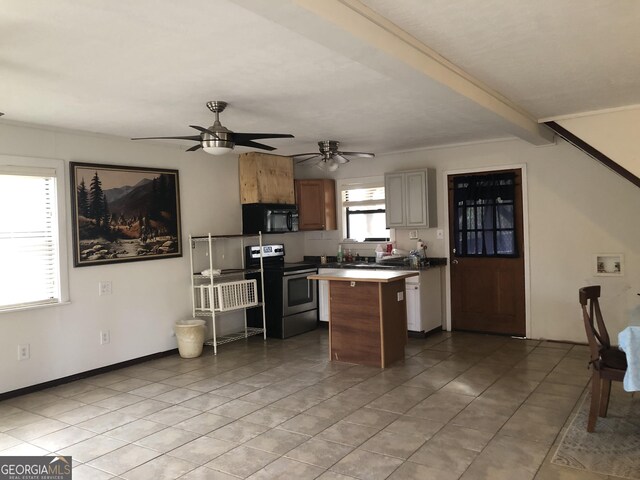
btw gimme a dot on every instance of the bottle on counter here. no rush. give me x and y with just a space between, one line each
414 259
379 253
349 257
422 248
339 257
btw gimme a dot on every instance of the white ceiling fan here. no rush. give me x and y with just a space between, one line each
330 156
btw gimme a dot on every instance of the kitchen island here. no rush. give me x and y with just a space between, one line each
367 315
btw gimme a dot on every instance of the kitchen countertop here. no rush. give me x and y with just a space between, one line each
376 266
377 276
432 262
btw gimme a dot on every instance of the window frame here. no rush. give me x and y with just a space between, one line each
354 183
11 164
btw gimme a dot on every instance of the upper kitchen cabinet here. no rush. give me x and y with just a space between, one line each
316 200
266 178
410 199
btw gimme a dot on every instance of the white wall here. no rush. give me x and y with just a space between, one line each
613 132
577 208
148 296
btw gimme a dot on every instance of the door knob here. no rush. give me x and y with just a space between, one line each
455 261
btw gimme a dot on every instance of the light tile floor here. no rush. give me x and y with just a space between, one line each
460 406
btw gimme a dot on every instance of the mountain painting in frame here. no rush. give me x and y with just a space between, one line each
124 214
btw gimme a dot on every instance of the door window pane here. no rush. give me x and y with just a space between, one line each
484 215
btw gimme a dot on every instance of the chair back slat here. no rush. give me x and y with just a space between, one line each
594 346
598 337
603 335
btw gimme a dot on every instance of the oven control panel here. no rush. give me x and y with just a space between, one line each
267 251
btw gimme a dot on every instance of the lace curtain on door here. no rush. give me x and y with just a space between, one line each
485 215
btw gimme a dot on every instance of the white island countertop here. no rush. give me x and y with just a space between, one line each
376 276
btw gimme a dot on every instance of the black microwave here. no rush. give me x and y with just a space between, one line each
269 218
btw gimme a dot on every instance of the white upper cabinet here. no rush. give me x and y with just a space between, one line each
410 199
394 199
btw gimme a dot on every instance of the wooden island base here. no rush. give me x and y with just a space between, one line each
368 316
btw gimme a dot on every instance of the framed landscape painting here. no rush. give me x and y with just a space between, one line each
124 214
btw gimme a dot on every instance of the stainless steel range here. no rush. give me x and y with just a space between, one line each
291 299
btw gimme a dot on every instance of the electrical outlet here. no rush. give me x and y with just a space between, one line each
105 337
413 234
104 287
24 352
439 234
400 296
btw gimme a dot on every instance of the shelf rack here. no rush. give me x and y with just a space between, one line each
213 295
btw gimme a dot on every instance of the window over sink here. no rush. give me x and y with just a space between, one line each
363 211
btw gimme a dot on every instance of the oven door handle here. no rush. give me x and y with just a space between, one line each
299 272
289 221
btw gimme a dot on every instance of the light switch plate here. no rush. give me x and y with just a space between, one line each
413 234
400 296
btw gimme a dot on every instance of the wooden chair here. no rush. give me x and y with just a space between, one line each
607 363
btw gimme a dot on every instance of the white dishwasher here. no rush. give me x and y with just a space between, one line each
424 301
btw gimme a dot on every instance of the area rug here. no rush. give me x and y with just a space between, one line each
613 448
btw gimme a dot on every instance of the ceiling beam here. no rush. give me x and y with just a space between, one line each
352 29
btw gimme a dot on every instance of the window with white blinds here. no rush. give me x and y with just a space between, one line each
363 196
29 253
364 212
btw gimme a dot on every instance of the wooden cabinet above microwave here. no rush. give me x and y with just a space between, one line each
316 201
265 178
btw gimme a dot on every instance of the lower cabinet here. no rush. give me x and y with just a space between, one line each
323 294
423 296
424 301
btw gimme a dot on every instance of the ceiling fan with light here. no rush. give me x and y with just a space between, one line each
330 157
217 139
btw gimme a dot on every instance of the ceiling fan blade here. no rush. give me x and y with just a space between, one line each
299 155
358 154
339 158
194 148
240 137
249 143
313 156
195 138
205 130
